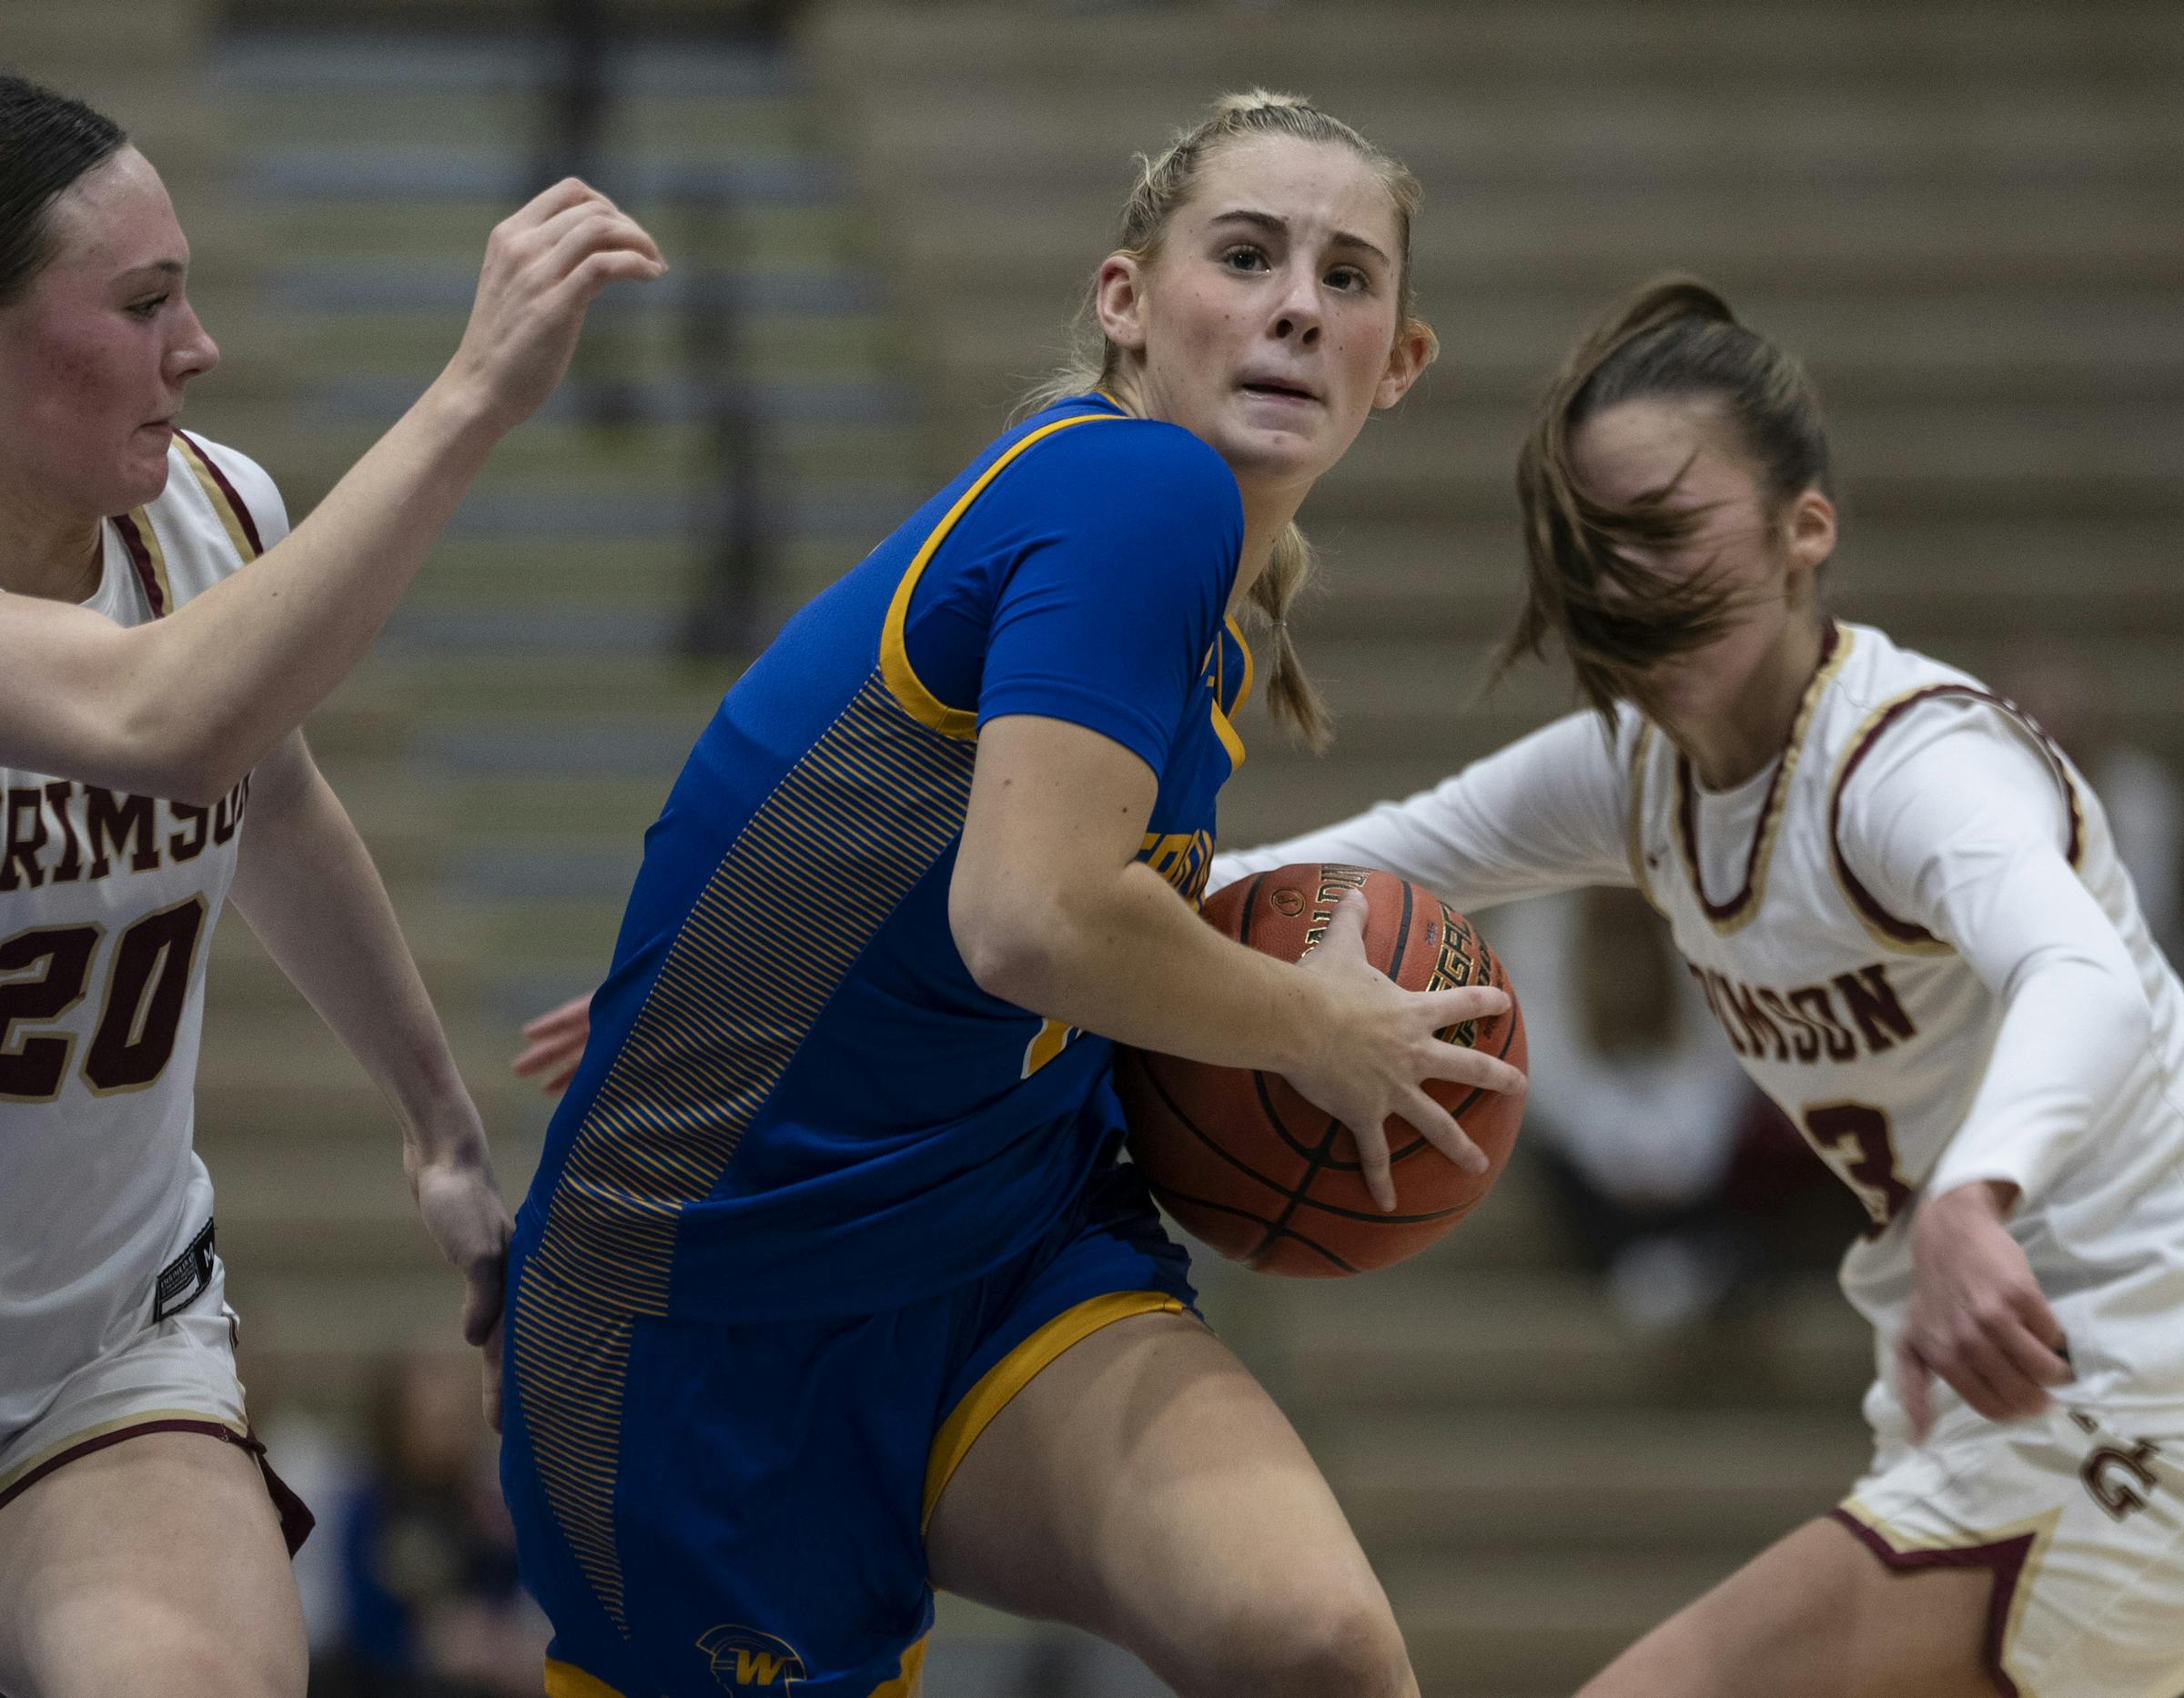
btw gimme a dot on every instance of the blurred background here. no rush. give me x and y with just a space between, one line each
1631 1369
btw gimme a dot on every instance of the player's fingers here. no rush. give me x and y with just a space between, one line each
2040 1320
1465 1065
2019 1341
534 1058
550 203
584 230
1345 933
550 1051
596 272
1968 1374
1469 1002
1914 1390
576 1011
559 1082
1372 1158
1438 1126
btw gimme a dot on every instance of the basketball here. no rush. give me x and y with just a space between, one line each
1245 1165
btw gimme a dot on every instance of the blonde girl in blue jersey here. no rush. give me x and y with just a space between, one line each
830 1289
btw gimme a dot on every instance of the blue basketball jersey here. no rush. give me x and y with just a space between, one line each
795 1100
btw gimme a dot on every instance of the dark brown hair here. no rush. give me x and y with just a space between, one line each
1587 587
1164 183
46 142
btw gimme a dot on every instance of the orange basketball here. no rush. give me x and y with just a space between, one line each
1246 1165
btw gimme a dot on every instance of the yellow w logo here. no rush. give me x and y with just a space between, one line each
745 1660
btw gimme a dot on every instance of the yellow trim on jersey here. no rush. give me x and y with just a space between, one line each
565 1680
201 468
903 681
142 519
1001 1383
1243 690
140 1417
1745 905
1633 829
1226 733
908 1672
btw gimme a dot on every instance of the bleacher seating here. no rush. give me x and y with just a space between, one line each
1964 213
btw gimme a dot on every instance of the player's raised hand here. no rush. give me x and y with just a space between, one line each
544 266
464 1213
554 1044
1978 1318
1381 1046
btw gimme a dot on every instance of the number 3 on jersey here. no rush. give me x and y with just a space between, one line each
147 984
1853 1138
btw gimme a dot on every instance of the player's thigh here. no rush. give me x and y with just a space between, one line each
1817 1616
152 1568
1145 1487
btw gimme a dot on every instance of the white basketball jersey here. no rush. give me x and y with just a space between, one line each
107 903
1873 1036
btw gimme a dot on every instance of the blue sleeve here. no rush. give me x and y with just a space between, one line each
1130 535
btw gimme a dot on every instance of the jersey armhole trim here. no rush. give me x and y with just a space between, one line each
1223 718
234 512
148 558
1886 928
1243 690
901 677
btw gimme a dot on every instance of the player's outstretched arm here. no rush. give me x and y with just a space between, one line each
1052 910
1958 825
305 884
184 706
1547 812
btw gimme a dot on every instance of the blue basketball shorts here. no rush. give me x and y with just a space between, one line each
703 1508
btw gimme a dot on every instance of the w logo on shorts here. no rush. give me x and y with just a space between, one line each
747 1660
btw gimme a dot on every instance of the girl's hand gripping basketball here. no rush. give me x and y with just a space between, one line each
544 266
1380 1044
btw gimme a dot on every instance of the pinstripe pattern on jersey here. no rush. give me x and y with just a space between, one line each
832 853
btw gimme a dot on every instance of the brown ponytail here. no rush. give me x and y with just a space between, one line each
1586 584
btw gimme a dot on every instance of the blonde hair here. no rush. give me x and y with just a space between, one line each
1164 182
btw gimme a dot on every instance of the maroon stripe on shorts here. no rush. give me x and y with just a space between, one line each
296 1518
2005 1556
